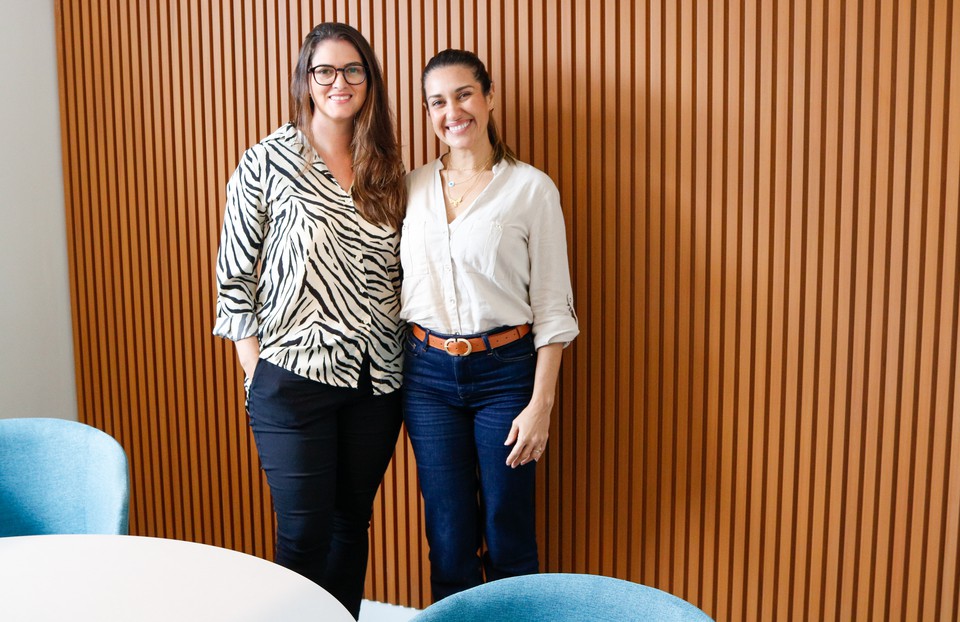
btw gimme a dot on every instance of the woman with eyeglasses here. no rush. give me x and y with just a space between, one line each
308 281
486 290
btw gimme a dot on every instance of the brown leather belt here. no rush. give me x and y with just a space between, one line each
459 346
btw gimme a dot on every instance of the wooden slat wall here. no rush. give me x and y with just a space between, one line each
760 414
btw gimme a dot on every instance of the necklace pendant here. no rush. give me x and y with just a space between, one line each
451 184
455 203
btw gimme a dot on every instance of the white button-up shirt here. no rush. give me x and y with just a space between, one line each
501 262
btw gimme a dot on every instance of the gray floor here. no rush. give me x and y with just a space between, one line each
372 611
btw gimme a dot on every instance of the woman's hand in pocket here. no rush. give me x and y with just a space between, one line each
248 351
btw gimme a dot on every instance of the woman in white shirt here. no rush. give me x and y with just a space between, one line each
486 292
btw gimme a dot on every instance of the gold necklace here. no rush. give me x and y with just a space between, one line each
454 201
477 173
452 183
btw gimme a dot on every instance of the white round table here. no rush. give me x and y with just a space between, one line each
114 578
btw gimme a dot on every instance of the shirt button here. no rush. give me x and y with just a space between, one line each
446 268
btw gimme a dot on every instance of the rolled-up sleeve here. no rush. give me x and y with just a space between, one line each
551 294
241 240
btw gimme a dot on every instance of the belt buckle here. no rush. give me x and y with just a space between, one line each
446 346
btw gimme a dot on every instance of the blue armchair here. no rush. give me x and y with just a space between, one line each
59 476
559 597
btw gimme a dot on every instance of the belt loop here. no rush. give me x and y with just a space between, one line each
421 345
486 341
425 344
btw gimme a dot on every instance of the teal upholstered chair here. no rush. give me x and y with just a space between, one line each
557 597
59 476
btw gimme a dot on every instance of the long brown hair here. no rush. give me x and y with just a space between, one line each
379 192
451 57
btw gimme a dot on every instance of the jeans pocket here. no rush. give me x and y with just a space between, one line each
248 382
248 385
411 346
520 350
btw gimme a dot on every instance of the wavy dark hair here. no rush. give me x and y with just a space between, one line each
451 57
379 192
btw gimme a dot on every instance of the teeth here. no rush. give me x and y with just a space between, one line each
458 127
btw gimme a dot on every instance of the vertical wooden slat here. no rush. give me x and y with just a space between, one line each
706 587
926 324
651 307
833 511
761 200
700 339
945 560
749 190
929 558
867 225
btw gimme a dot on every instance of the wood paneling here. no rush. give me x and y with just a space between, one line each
760 414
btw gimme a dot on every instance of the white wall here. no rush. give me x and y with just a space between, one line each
36 339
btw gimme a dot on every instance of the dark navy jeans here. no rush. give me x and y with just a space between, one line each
458 412
324 450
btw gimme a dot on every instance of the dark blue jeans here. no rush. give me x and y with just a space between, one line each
324 450
458 412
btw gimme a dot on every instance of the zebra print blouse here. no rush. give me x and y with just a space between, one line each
328 285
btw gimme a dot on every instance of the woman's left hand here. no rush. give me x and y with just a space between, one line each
530 429
528 434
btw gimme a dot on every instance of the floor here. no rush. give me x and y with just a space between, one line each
372 611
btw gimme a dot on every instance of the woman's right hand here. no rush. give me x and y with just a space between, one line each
248 351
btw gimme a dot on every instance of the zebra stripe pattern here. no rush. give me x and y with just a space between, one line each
299 268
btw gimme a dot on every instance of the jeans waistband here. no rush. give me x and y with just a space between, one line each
463 346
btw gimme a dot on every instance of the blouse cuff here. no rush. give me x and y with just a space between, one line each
236 326
556 330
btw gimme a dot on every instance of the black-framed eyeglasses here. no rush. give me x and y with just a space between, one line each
325 75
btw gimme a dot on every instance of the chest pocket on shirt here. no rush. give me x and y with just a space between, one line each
413 249
478 247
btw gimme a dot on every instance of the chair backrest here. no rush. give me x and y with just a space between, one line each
560 597
59 476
